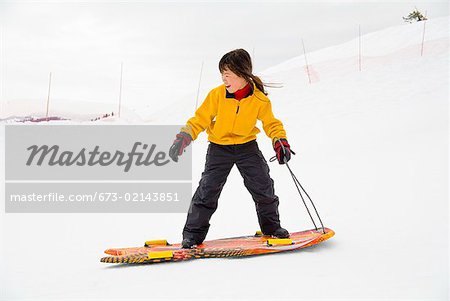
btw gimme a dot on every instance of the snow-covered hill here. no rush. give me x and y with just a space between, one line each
372 150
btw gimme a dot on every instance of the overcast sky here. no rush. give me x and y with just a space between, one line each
162 45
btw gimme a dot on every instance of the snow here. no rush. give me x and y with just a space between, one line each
372 151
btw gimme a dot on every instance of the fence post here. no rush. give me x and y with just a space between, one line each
48 96
306 62
120 88
198 89
423 34
359 30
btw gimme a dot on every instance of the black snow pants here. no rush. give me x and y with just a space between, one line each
255 171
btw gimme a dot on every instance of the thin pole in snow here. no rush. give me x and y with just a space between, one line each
423 34
198 88
120 88
359 30
48 95
306 62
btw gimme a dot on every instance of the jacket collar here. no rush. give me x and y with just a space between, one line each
231 95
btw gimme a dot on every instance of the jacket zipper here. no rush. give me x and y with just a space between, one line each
234 121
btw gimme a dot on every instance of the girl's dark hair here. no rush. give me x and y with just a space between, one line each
239 62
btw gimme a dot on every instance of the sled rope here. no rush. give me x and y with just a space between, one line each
300 188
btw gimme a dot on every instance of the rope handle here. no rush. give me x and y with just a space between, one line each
300 188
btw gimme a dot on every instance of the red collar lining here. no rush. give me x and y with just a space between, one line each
242 93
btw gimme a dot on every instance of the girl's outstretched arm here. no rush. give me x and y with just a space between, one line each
202 118
271 125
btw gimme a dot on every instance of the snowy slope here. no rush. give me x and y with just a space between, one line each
372 150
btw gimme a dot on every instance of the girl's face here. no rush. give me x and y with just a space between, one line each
232 81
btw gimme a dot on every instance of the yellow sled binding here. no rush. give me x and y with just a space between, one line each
158 242
160 255
279 241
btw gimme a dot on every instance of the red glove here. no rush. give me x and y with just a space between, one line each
181 141
283 150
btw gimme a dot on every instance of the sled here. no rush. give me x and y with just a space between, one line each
155 251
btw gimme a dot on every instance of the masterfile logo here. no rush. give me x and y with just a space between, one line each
106 168
54 156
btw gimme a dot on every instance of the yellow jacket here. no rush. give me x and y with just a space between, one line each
230 121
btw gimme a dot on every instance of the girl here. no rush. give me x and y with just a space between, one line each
229 114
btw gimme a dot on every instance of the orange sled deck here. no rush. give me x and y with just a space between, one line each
161 251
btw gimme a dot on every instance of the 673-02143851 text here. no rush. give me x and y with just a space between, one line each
97 197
